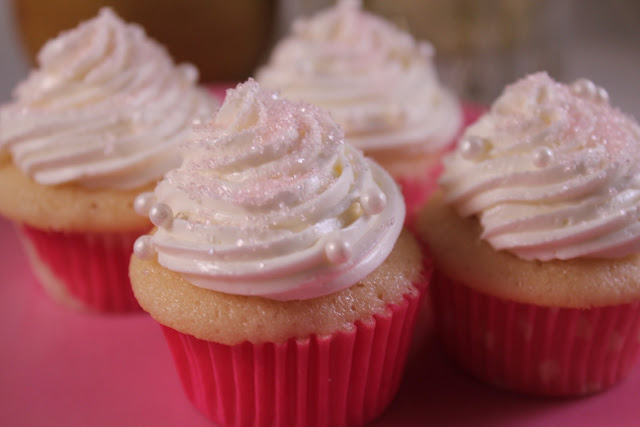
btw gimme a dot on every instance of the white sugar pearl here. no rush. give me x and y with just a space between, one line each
161 215
585 88
142 204
474 147
143 248
425 49
373 201
602 95
542 157
337 250
189 72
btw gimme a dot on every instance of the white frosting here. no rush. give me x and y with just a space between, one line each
552 171
378 83
269 201
106 108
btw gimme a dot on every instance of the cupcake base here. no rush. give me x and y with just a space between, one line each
550 351
84 271
341 379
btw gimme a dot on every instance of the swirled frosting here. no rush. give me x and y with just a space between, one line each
270 201
377 81
552 172
106 108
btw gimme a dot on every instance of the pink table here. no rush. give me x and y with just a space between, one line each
59 367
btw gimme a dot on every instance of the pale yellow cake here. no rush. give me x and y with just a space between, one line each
230 319
67 207
459 253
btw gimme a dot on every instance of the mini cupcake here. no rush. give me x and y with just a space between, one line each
96 124
536 241
379 84
279 271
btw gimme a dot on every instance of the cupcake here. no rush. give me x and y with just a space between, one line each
95 125
535 236
279 269
379 84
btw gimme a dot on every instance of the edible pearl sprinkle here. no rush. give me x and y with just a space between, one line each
542 157
143 248
603 95
588 90
190 72
337 251
474 147
584 87
426 49
142 204
161 215
373 201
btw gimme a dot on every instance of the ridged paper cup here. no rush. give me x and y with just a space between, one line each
341 379
88 271
533 349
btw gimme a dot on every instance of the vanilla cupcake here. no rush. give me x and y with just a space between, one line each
378 83
279 270
536 241
94 125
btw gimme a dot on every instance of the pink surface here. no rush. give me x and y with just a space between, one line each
64 368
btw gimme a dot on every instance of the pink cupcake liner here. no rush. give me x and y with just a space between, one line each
342 379
416 190
471 112
550 351
91 268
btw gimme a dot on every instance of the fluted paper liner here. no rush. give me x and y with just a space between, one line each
550 351
343 379
86 270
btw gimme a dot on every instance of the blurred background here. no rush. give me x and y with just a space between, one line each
481 45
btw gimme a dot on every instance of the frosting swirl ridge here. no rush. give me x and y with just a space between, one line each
552 172
271 202
106 108
376 80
